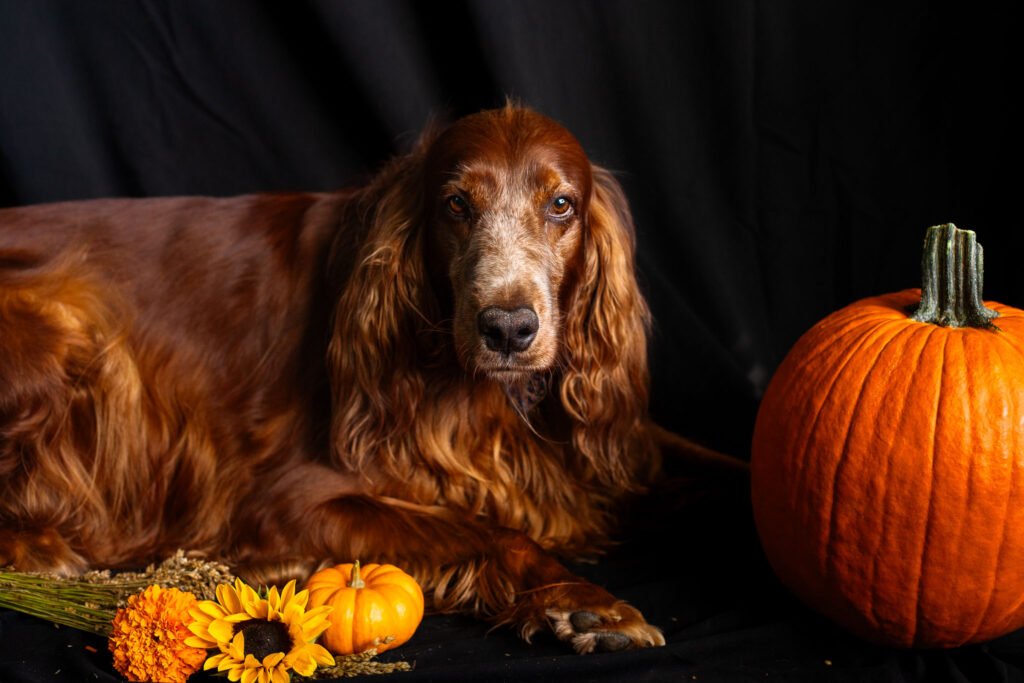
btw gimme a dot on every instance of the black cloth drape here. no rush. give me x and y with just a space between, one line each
782 159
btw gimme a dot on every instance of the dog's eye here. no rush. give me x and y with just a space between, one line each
561 207
457 206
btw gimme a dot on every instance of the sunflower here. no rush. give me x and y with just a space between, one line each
149 636
260 638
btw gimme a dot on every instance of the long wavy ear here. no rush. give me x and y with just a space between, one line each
382 310
604 386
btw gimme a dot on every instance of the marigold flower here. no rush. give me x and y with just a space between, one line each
148 637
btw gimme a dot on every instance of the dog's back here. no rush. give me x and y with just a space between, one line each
142 341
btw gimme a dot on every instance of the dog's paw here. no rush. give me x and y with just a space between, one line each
586 617
39 551
609 629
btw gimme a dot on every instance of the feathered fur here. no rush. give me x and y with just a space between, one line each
285 381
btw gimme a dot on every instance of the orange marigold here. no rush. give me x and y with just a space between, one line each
148 638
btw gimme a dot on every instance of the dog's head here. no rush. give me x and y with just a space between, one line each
507 201
496 241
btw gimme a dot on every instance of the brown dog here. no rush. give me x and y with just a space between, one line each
445 369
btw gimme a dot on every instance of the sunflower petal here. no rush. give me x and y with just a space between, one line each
228 597
250 675
209 609
200 642
236 646
301 598
222 631
320 654
200 629
246 595
302 663
322 609
272 660
314 627
288 594
213 661
279 675
235 618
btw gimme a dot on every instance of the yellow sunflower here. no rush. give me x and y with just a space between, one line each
260 639
149 637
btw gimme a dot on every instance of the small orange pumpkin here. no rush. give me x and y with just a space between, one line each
371 603
887 469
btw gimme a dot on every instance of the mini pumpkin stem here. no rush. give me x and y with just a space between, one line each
356 581
952 271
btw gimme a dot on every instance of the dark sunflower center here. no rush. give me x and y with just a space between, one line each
263 637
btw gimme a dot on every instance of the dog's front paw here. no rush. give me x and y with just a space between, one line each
586 617
604 629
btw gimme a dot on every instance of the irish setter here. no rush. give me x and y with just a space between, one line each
445 369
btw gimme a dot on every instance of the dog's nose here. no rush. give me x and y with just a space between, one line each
508 331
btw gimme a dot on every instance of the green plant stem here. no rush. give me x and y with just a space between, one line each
952 274
66 610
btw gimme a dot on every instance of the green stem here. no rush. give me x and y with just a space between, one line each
60 611
952 270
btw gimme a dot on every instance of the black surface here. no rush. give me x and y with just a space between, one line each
782 158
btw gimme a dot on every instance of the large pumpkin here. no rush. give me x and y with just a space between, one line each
887 470
375 606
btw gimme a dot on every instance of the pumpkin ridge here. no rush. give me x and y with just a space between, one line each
980 472
965 516
852 331
383 574
373 610
843 458
778 425
918 614
964 520
861 337
1008 339
914 331
999 556
346 607
1010 613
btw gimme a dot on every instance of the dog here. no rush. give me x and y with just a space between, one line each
445 369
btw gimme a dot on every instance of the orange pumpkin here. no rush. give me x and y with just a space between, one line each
887 470
371 604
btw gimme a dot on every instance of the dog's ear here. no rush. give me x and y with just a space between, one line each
383 307
605 384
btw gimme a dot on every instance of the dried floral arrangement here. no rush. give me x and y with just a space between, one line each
188 614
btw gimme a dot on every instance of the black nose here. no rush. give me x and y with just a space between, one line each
507 331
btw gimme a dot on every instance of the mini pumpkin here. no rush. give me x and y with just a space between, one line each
887 469
372 603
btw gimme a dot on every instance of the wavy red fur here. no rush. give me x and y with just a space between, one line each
288 380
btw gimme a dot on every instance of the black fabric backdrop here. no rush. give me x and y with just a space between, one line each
782 159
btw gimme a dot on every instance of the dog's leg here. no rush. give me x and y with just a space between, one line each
465 564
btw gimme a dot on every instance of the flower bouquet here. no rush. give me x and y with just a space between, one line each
187 614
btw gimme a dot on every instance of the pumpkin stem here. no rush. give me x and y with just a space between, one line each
951 279
356 581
